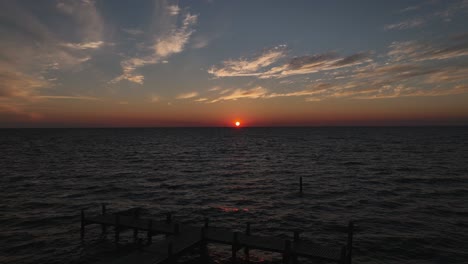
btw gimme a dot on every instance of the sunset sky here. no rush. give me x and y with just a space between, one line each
212 62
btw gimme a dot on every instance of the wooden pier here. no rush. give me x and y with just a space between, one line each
182 238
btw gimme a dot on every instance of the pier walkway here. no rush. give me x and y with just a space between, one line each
183 238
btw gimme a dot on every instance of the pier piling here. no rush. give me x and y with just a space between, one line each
103 226
149 234
82 224
180 238
300 186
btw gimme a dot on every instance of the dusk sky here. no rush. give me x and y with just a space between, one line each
212 62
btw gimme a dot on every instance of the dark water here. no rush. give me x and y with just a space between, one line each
406 188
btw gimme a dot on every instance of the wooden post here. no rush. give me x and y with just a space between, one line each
135 234
287 251
82 224
136 213
296 235
103 226
176 228
247 249
343 259
117 228
207 221
350 241
300 186
296 240
168 218
235 242
203 246
170 253
149 235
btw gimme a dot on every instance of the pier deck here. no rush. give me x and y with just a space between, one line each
181 238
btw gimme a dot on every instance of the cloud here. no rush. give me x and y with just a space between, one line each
89 23
407 24
295 66
187 95
133 31
154 98
17 84
173 10
84 45
448 75
248 67
253 93
421 51
66 97
317 63
171 41
410 8
175 40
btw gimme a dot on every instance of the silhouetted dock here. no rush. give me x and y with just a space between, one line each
182 238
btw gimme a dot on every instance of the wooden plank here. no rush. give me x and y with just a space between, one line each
180 243
158 252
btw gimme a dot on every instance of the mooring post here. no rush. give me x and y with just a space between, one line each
343 259
246 249
117 228
300 185
135 234
296 240
103 212
350 241
136 215
296 235
168 218
149 235
235 242
170 254
82 223
287 251
203 246
207 221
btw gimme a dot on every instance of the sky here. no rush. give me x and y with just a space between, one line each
86 63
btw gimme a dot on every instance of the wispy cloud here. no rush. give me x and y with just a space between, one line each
84 45
133 31
173 10
407 24
17 84
295 66
317 63
249 67
253 93
155 98
403 72
449 10
67 97
90 26
421 51
187 95
171 41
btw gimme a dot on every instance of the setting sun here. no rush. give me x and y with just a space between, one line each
237 123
